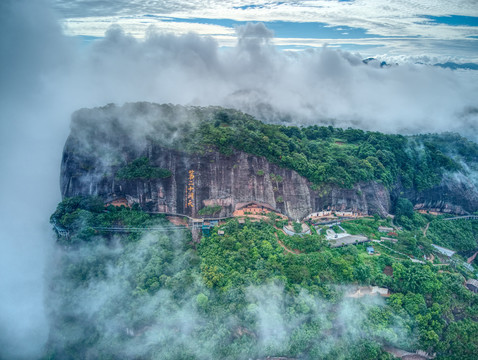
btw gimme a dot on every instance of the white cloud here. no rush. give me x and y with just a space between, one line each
46 76
137 27
385 18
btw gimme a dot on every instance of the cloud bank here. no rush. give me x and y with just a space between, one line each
419 27
318 86
46 76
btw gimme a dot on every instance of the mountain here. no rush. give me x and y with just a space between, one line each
135 284
455 66
224 158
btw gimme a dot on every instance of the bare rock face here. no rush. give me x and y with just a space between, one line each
104 140
455 194
212 179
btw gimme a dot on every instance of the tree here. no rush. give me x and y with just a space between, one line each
403 207
297 227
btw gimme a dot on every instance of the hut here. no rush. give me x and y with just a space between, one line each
472 285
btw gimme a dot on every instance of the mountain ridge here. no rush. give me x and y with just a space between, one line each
105 140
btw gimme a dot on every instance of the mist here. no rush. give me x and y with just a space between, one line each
101 308
45 76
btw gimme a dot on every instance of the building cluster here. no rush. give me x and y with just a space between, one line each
333 213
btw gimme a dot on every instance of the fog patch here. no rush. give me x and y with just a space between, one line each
47 76
99 307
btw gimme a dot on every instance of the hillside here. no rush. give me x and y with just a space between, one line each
182 160
248 291
135 280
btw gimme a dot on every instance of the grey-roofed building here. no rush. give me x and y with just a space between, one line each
472 285
444 251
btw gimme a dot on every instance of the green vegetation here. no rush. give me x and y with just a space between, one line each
210 210
331 155
297 227
141 169
460 235
237 290
81 215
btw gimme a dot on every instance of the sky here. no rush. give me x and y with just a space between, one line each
420 29
60 56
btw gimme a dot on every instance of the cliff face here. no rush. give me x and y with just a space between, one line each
103 140
455 194
215 179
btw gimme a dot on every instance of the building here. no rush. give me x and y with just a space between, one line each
370 250
220 232
329 213
383 238
385 229
472 285
118 202
253 208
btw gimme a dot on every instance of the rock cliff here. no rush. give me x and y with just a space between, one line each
103 140
216 179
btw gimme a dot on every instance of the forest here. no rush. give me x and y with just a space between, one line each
240 295
325 154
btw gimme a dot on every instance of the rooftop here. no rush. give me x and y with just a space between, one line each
444 251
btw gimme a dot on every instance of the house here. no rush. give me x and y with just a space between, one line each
389 239
472 285
220 232
370 250
385 229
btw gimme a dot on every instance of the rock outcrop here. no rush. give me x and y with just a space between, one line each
103 140
212 179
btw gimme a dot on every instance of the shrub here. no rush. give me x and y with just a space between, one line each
142 169
210 210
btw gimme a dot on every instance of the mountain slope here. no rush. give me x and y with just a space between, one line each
217 157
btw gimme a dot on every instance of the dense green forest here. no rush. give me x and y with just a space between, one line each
327 154
241 295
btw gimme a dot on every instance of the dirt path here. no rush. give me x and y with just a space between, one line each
398 252
285 247
426 229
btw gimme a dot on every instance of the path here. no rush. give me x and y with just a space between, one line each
398 252
426 229
285 247
466 217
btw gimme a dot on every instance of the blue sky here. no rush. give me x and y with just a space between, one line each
376 27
